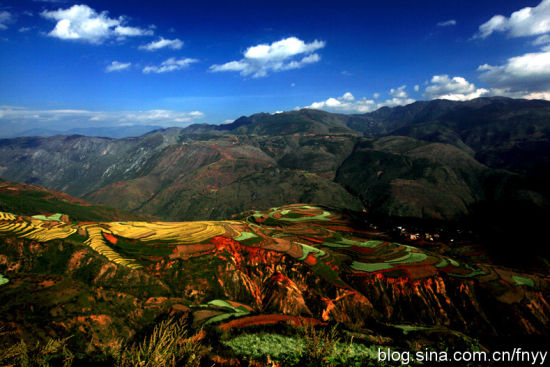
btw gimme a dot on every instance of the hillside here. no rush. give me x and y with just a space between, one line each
106 284
483 162
26 199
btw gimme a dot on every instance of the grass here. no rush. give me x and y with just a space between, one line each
3 280
311 347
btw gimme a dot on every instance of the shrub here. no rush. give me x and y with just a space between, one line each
54 351
167 346
319 344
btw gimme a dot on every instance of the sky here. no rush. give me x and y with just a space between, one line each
67 64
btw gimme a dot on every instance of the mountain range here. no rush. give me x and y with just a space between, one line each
484 162
116 132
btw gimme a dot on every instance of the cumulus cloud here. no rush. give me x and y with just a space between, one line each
22 119
5 18
80 22
399 97
174 44
524 22
521 76
399 92
454 89
447 23
172 64
347 103
117 66
286 54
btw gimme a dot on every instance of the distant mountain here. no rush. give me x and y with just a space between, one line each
116 132
402 176
216 178
287 123
438 159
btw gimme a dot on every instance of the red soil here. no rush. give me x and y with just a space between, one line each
296 321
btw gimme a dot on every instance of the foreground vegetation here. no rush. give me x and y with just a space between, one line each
169 344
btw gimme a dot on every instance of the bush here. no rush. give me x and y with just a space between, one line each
319 344
53 352
167 346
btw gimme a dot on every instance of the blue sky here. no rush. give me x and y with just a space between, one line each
100 63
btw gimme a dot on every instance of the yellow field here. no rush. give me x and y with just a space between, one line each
97 243
181 232
7 216
178 232
36 230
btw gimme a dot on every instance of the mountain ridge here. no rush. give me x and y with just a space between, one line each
453 161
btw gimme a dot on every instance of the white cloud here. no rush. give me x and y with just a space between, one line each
376 95
416 88
163 117
80 22
262 59
447 23
538 95
24 29
527 75
172 64
174 44
5 17
347 103
117 66
524 22
541 40
399 92
22 119
521 76
454 89
399 97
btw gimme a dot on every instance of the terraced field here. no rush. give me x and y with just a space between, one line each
300 231
294 265
313 235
